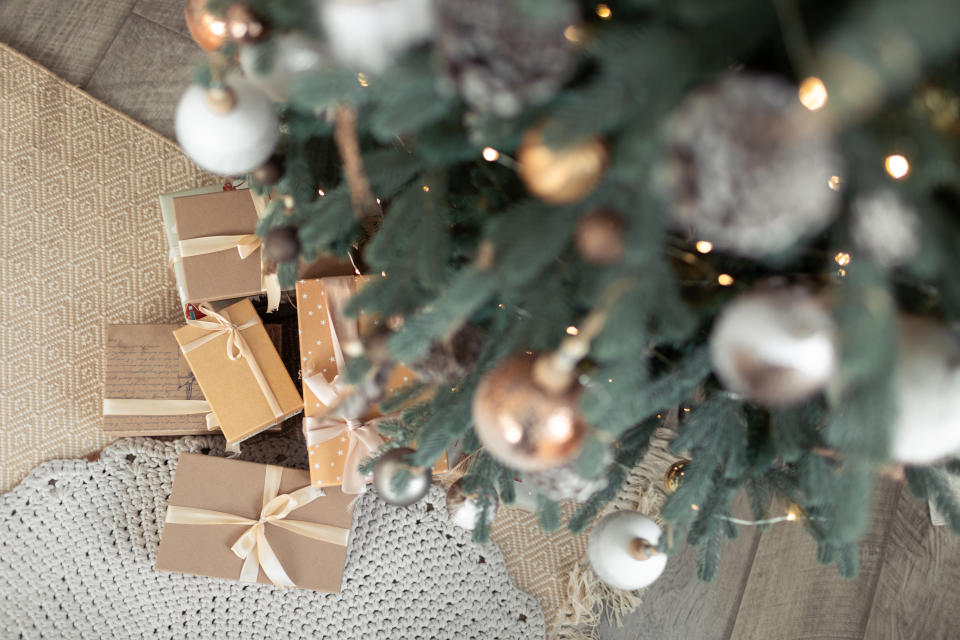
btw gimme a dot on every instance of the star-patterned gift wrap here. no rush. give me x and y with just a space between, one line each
318 356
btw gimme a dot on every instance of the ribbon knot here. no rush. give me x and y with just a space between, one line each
252 545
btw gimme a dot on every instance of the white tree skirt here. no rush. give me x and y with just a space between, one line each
78 543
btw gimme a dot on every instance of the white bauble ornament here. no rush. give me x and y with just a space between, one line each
928 393
775 346
294 54
370 35
230 143
616 550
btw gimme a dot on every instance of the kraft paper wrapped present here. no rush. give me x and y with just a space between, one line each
238 370
214 252
149 389
254 523
336 446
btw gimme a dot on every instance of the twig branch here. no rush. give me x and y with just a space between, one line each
365 207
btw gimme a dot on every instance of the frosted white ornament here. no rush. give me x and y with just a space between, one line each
774 346
230 143
293 55
927 427
369 36
622 550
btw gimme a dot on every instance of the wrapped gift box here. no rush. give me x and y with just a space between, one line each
239 370
323 329
214 508
209 212
148 387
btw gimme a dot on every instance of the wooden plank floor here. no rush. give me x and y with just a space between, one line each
135 55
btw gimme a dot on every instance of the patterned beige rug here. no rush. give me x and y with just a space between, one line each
80 245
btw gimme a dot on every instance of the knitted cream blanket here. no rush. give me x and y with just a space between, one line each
78 542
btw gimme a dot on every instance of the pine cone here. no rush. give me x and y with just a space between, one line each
450 360
501 58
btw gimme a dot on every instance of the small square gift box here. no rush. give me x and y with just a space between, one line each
254 523
215 252
148 387
336 446
238 370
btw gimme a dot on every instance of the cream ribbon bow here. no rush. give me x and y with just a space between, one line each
237 348
252 546
363 439
362 435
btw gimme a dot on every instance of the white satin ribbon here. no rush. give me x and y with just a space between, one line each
252 546
159 407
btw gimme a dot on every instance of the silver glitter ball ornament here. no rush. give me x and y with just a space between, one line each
386 469
748 166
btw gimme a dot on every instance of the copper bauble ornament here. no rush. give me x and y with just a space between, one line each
282 244
561 175
207 30
463 508
243 25
522 424
270 172
388 466
599 237
674 476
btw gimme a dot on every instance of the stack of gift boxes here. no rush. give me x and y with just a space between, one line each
221 371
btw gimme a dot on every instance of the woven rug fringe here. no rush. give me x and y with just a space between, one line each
589 598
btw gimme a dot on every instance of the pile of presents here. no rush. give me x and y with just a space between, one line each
221 371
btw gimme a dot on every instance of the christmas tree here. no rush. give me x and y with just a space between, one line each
587 215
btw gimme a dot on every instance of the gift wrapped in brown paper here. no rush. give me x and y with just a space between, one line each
215 250
148 387
335 445
254 523
238 370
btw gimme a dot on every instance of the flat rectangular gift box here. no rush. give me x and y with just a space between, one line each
230 385
148 387
233 488
319 322
209 212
